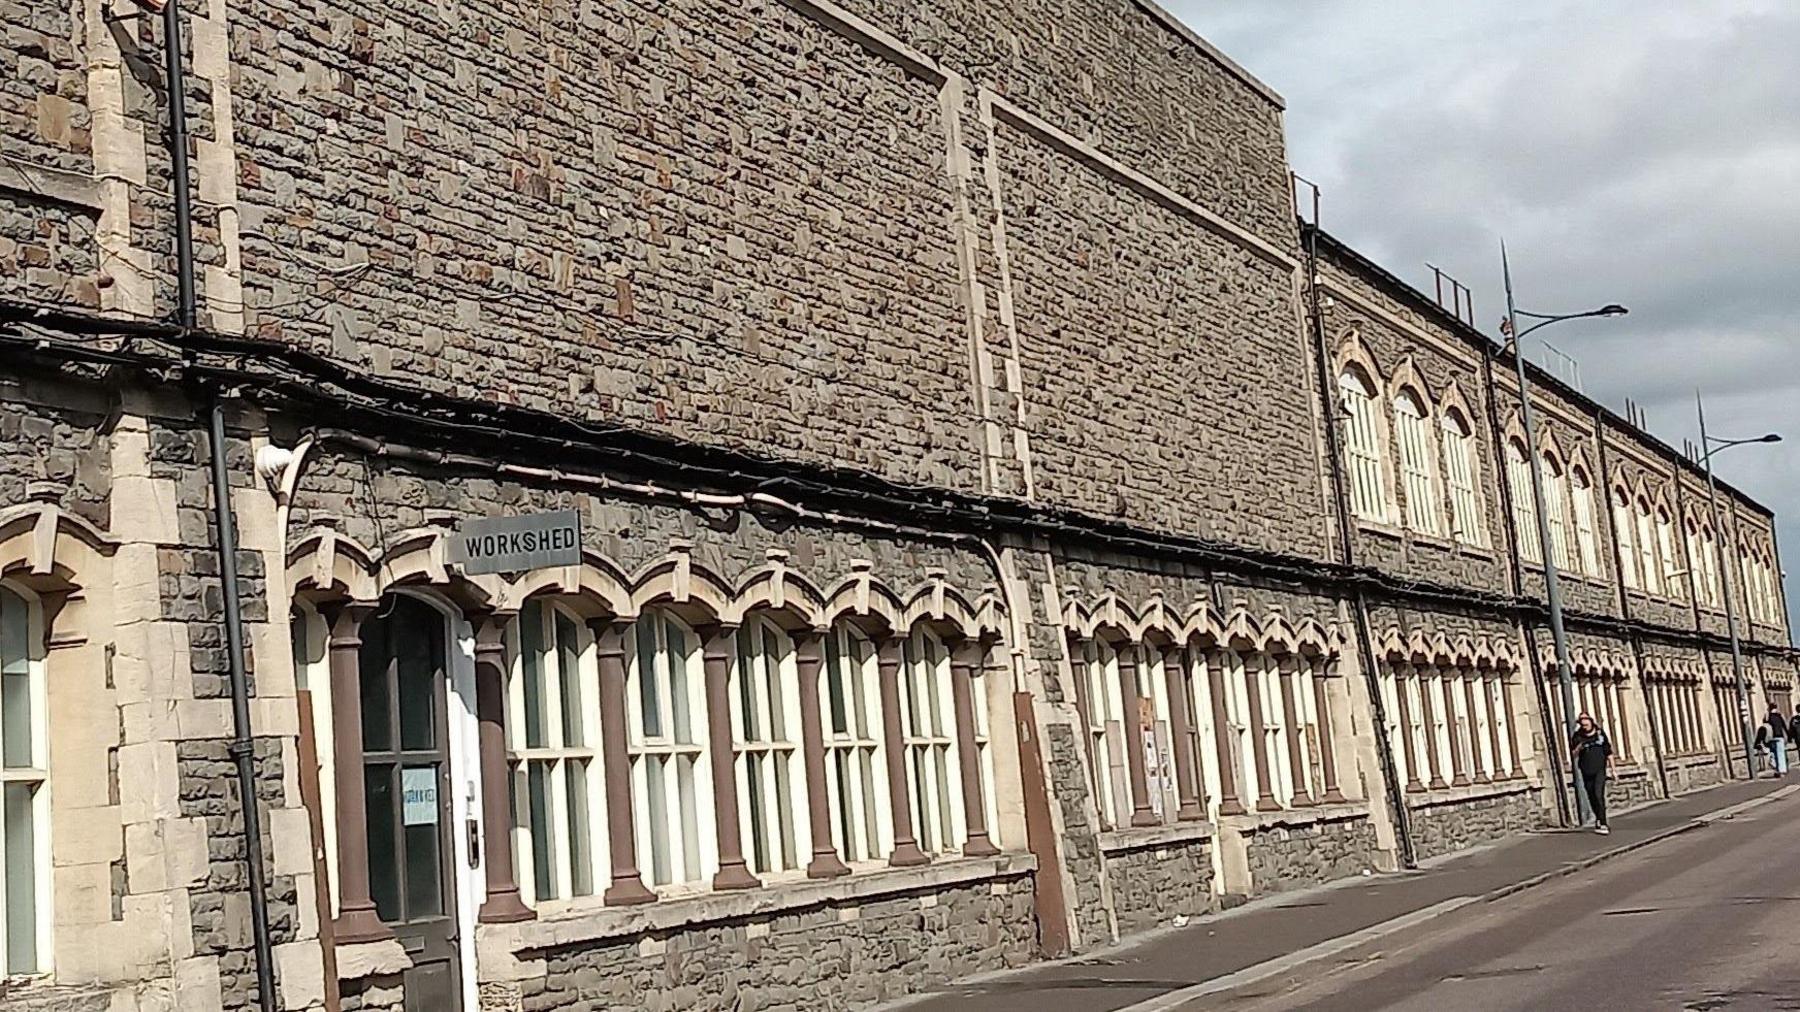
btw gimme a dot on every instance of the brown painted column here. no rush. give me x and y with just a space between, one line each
1512 734
621 841
964 657
503 903
1181 728
1327 744
1408 744
1229 803
719 646
1141 812
1265 797
906 846
1482 773
1459 760
809 657
356 920
1433 762
1285 671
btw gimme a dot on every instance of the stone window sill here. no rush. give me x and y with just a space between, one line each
1147 837
594 922
1689 760
1298 816
1471 792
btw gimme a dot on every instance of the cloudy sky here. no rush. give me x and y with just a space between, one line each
1637 151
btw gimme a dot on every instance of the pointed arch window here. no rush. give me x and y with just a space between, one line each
1648 560
1625 532
1459 473
1418 478
1362 446
1587 544
1556 494
1518 478
1666 555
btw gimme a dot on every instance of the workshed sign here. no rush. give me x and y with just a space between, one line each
517 544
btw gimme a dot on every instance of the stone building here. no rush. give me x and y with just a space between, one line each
1004 527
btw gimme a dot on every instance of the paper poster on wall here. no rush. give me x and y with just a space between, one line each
418 796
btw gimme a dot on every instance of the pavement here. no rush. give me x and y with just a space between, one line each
1224 957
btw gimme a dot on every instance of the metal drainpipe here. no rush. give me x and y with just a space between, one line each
1365 641
242 746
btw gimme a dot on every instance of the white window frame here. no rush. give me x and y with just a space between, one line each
1418 471
1518 478
1238 681
23 655
763 690
856 787
1666 555
1362 446
1200 718
1587 543
928 723
575 820
677 842
1466 523
1625 533
1556 511
1495 694
1105 728
1647 551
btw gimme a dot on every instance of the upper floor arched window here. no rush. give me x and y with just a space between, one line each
554 739
1625 533
1362 446
855 774
1649 561
1418 478
1518 479
1587 543
1556 513
1460 474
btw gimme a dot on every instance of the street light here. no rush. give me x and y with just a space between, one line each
1711 445
1552 585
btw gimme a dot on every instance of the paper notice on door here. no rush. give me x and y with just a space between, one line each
418 796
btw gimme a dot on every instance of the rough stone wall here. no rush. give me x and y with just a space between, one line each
1686 776
827 956
1153 884
379 993
1452 825
1284 856
1632 788
51 437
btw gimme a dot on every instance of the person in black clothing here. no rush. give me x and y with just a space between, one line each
1778 732
1591 750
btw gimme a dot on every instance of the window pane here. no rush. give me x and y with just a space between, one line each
784 807
581 861
377 711
846 811
21 879
649 691
416 630
543 848
771 673
531 658
753 776
384 856
568 666
424 897
679 652
746 667
834 685
15 681
871 823
655 794
690 815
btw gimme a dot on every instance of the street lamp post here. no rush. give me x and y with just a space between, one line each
1707 445
1552 585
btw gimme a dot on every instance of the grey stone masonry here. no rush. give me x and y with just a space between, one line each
1303 850
1157 877
1464 817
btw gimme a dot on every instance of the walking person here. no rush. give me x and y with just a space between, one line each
1778 734
1591 750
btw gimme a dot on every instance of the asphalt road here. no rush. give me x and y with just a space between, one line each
1707 920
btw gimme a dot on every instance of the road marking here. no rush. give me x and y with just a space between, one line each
1330 947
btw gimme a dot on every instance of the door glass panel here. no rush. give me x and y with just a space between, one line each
377 688
424 894
416 633
384 858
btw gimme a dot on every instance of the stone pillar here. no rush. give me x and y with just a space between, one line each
1181 728
1433 762
1286 671
808 659
1408 744
503 903
1265 798
1459 761
1229 803
627 884
906 846
717 650
357 920
1141 812
964 658
1482 773
1327 744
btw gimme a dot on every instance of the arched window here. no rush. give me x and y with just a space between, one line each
1556 493
765 712
855 781
1418 480
1625 532
1362 446
24 813
933 788
1587 545
1666 555
670 784
1647 550
554 739
1105 719
1518 478
1459 470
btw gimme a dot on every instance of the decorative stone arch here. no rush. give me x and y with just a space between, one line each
944 608
776 590
594 587
1452 402
1313 640
1352 352
329 564
49 550
1278 637
1241 632
1462 651
1418 648
1157 624
1442 654
695 594
1407 378
1201 626
1107 612
1393 644
864 601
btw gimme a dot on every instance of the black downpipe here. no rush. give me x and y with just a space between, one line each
1365 639
243 748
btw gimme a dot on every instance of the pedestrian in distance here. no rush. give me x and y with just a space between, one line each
1760 745
1591 751
1794 726
1778 734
